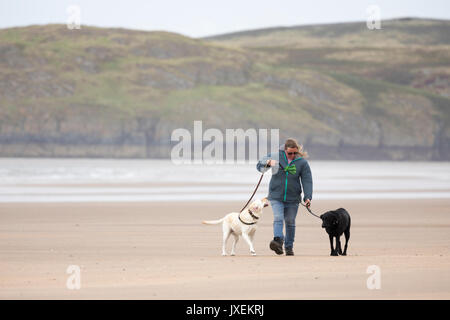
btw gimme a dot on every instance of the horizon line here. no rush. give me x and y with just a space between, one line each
218 35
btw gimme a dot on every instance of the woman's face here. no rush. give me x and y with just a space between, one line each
291 153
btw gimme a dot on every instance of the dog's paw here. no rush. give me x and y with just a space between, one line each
253 253
232 254
224 254
334 254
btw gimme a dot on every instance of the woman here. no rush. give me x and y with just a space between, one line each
289 167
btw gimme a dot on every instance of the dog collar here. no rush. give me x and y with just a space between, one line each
251 214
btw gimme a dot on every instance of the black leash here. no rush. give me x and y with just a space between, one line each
253 194
309 210
256 188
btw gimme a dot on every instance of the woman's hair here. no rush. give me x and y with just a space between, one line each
292 143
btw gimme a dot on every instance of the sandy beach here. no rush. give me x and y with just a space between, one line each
162 251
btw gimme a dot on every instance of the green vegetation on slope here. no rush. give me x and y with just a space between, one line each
342 90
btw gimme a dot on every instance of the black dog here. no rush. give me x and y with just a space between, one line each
335 223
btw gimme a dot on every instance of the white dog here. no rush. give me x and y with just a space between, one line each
243 223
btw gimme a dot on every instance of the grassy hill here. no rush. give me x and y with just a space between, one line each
344 91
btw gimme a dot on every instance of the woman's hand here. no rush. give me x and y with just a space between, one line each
308 203
271 163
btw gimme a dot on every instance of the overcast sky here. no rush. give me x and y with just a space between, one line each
197 18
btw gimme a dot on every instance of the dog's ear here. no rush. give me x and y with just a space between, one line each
321 216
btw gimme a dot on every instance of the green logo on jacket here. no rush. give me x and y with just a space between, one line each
291 169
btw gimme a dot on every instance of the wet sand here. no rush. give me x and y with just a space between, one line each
162 251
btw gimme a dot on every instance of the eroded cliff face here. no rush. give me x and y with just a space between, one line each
119 93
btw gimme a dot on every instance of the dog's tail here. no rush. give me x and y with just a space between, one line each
213 221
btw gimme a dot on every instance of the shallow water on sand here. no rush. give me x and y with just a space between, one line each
123 180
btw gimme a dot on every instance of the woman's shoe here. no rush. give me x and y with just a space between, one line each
289 252
276 245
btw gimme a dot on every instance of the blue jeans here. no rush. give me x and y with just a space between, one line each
284 212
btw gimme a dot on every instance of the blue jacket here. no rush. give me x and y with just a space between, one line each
285 186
